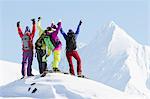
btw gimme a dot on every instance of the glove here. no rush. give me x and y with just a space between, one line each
59 22
33 21
18 23
39 18
80 22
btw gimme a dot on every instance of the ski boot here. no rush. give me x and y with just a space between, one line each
56 70
44 73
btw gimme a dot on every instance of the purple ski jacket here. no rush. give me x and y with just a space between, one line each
54 36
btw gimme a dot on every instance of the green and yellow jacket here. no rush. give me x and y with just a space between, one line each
46 44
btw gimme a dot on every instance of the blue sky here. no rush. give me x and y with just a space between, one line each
132 15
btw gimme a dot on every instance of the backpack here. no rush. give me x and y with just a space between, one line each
26 42
71 42
39 42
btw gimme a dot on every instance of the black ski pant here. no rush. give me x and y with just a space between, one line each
42 65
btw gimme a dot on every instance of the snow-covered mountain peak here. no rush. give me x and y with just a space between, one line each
112 24
118 32
118 40
111 31
116 59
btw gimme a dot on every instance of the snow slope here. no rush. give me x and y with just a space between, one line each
117 60
61 86
55 86
10 71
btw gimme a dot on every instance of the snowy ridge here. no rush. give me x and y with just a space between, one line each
117 60
115 47
60 86
56 86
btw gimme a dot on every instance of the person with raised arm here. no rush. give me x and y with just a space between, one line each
57 45
27 48
71 51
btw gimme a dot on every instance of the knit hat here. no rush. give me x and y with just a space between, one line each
70 31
